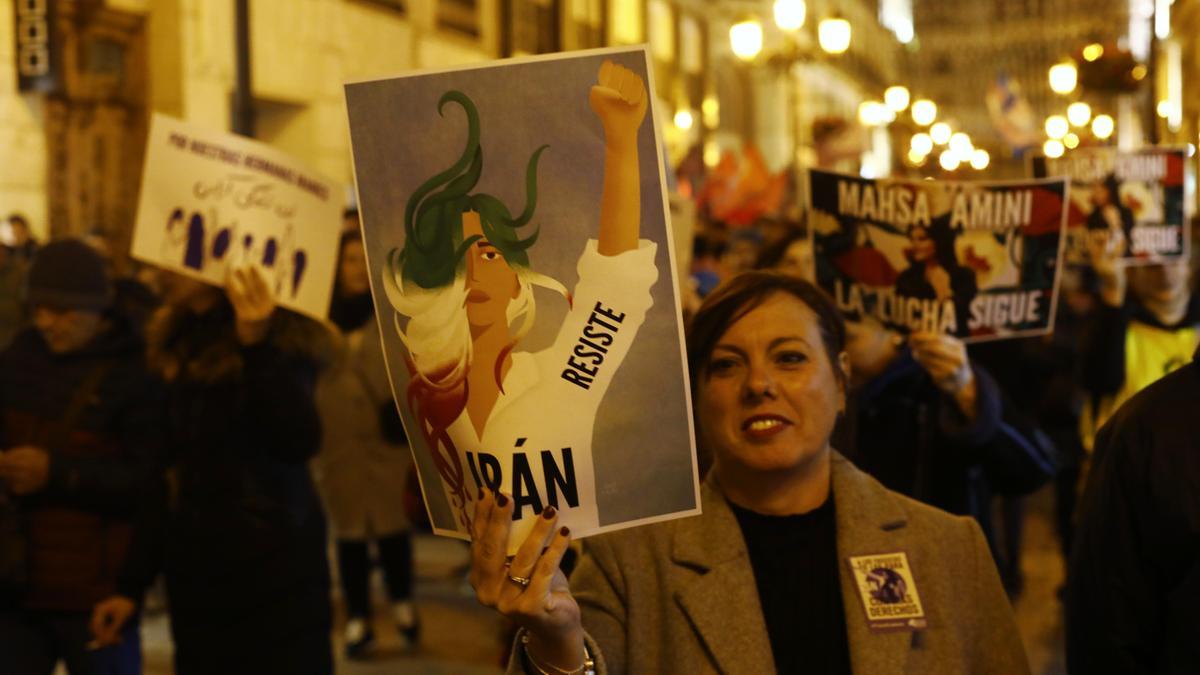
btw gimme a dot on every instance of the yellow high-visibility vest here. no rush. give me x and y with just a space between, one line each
1150 353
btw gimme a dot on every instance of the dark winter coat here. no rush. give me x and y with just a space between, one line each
240 533
78 526
1134 579
904 431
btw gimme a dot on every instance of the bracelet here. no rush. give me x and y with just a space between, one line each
587 668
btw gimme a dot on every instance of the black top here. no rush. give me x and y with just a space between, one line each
796 570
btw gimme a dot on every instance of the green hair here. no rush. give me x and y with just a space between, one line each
433 244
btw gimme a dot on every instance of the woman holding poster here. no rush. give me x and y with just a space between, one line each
464 281
799 560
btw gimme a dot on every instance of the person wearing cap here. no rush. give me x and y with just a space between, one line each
80 431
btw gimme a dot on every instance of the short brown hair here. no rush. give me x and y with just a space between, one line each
741 294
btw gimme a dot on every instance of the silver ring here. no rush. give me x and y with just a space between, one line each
523 582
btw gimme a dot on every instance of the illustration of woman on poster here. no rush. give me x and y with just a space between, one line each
934 272
490 414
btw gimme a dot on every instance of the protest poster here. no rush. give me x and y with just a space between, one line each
1129 202
211 199
491 191
977 260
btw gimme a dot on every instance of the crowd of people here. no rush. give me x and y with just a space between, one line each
152 425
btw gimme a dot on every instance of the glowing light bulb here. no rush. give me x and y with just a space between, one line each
834 35
924 112
960 144
922 143
896 98
980 159
1079 113
1102 126
790 14
684 119
1063 77
1057 126
746 39
1053 148
872 113
949 160
940 133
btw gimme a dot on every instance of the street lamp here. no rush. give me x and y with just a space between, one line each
833 33
746 39
790 14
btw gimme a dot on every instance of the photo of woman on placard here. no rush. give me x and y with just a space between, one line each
1109 214
934 272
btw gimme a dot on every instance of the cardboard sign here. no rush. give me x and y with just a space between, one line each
979 261
514 217
211 199
1130 202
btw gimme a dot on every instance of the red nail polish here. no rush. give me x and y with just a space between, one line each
565 531
502 499
549 512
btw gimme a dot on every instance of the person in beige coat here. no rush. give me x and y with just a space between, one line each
800 563
361 475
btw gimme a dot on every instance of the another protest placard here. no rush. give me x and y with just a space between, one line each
976 260
492 191
212 199
1131 200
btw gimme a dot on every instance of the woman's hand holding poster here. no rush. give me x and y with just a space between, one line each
975 260
491 192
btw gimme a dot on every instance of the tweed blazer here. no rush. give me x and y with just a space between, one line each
680 596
